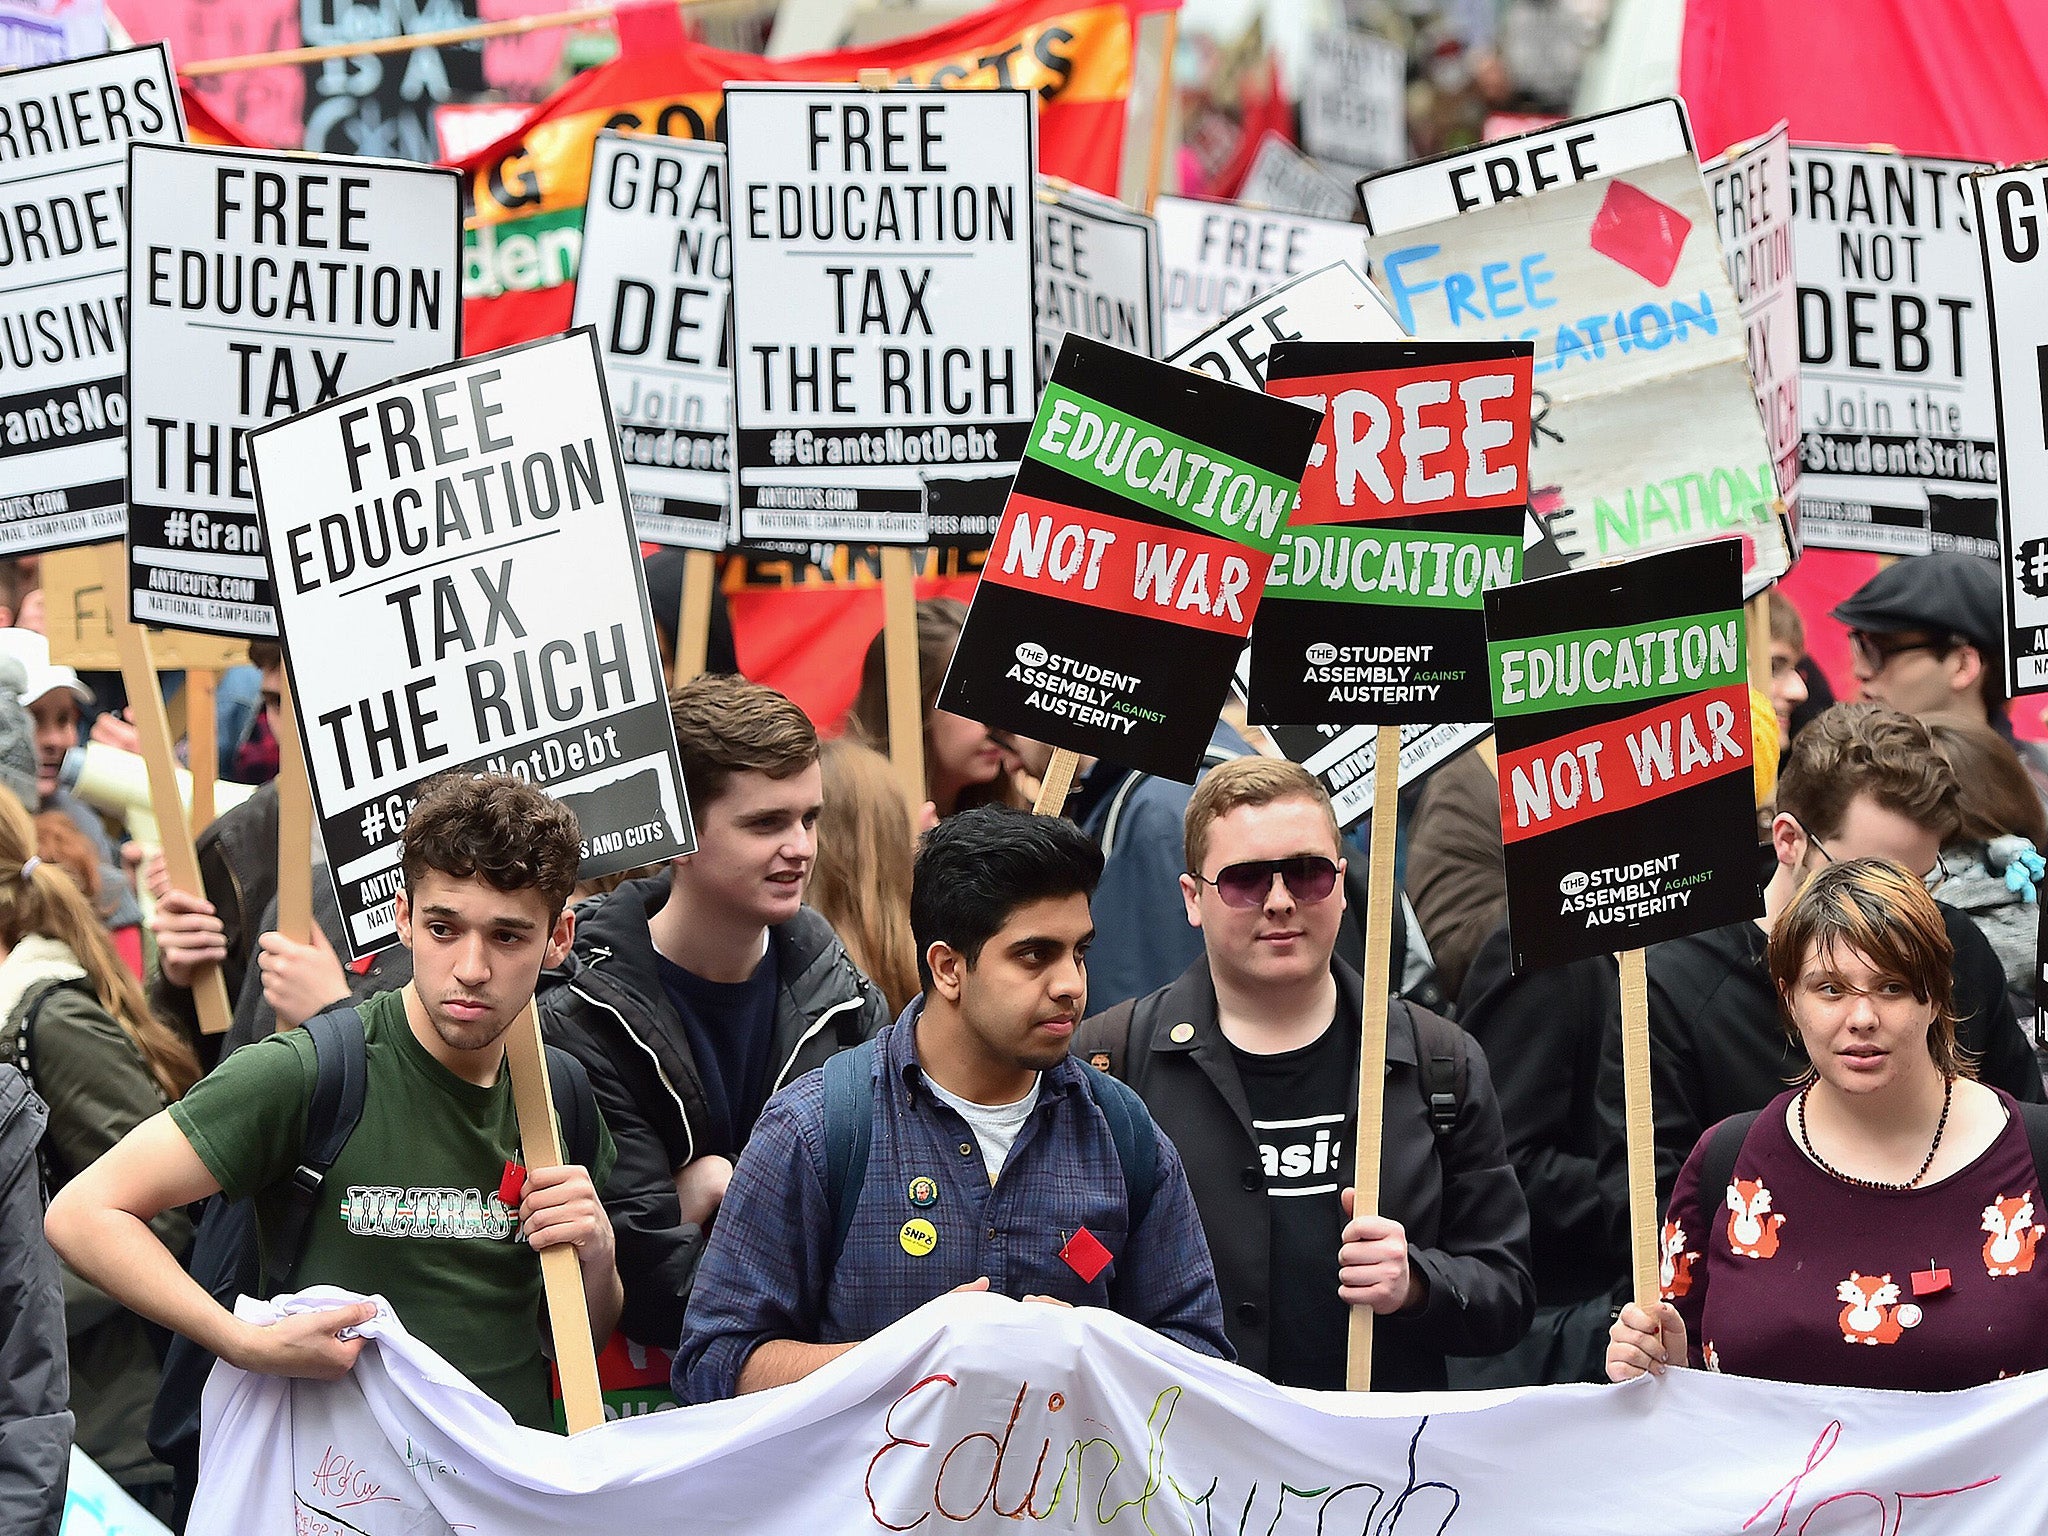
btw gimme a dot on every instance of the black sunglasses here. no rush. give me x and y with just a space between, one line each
1309 877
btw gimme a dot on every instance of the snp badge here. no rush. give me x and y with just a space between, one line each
918 1237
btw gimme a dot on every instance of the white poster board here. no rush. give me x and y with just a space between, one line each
262 284
1285 180
655 279
1354 100
459 588
1098 272
1752 191
1219 257
1895 396
64 405
1330 304
882 306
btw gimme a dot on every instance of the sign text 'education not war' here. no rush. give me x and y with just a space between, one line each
1621 715
459 588
882 309
260 285
1130 559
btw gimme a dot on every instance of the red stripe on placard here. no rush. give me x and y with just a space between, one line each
1460 443
1098 561
1642 757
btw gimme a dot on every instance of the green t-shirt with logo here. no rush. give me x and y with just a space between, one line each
410 1209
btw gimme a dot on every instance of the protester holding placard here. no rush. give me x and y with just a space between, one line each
695 994
427 1202
1889 1200
1250 1062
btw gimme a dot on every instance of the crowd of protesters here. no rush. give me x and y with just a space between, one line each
851 1054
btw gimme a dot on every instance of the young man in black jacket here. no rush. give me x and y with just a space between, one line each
1249 1062
693 995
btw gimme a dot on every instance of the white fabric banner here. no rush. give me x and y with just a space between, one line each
977 1411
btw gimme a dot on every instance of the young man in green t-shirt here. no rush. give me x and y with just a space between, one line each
411 1208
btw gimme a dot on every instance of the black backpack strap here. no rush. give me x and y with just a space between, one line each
1105 1042
575 1107
1446 1068
849 1128
1724 1145
1137 1144
341 1072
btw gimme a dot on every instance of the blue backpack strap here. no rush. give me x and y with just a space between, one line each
849 1127
575 1107
1137 1144
341 1073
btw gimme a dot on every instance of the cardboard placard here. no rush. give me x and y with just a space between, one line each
1130 559
882 308
1619 282
1220 257
1285 180
64 402
1627 790
79 614
1411 510
655 279
1354 100
1896 396
2012 223
1332 303
261 284
1752 190
1343 757
1098 273
426 633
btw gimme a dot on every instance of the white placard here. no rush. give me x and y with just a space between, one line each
1219 257
1098 273
1606 144
882 307
459 587
1285 180
262 284
1330 304
1895 392
1354 100
655 279
1751 187
64 136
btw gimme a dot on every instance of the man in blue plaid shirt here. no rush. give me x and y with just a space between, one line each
993 1162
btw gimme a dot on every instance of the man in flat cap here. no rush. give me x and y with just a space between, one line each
1926 635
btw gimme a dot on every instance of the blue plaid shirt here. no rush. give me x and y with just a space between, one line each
767 1271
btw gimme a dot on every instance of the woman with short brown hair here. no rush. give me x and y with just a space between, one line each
1875 1225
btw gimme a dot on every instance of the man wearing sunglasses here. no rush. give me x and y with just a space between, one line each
1860 782
1250 1063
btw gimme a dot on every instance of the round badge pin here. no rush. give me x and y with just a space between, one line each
1181 1034
918 1237
923 1191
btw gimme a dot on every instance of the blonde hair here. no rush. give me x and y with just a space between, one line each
45 900
860 883
1249 781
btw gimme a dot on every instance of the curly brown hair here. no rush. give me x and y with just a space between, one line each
1867 749
496 828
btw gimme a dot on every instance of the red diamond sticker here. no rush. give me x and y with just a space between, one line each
1085 1255
1639 232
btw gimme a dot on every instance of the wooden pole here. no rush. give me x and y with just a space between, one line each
1057 783
1162 110
693 623
470 34
181 859
201 748
294 829
1642 1130
906 694
540 1145
1758 619
1372 1042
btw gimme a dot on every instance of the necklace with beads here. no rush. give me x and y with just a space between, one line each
1948 1094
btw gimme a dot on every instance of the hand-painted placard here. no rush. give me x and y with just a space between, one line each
1752 191
1332 303
1130 559
1411 511
1220 257
1896 397
882 307
1098 273
655 279
261 284
64 136
1627 788
459 588
1619 282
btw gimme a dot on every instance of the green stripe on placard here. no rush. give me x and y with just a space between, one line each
1157 468
1393 567
1579 667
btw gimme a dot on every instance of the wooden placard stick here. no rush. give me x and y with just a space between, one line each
294 829
1758 620
1372 1032
1162 105
906 692
202 753
540 1143
693 622
479 32
1642 1129
1057 783
181 859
